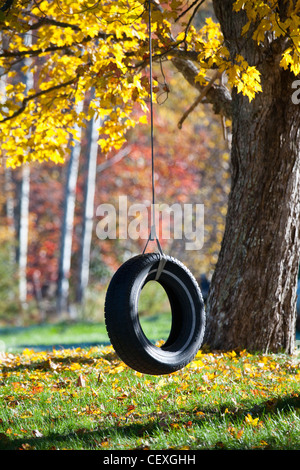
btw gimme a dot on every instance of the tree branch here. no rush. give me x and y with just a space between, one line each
202 95
50 21
7 5
188 9
53 48
36 95
191 19
115 159
218 96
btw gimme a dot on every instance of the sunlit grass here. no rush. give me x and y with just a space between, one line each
44 336
82 334
89 399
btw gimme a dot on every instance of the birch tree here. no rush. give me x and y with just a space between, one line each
88 210
24 196
68 222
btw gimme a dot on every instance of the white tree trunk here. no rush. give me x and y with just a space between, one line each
24 212
90 183
23 234
68 224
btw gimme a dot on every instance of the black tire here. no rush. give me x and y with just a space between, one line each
122 320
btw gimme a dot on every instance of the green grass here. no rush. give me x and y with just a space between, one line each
85 398
45 336
79 334
156 326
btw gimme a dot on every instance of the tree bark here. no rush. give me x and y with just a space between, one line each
23 235
68 225
90 187
24 209
252 301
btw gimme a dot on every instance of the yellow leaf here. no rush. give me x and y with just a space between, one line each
238 5
117 369
175 425
28 352
181 400
74 366
143 119
251 421
246 28
105 443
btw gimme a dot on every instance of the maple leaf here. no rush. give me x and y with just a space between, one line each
252 421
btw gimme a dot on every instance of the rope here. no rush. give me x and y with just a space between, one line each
152 234
151 107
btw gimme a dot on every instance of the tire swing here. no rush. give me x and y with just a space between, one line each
184 295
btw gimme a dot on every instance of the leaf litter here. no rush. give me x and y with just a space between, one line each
93 391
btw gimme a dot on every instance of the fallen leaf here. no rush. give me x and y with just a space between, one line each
51 365
220 445
81 382
251 421
175 425
130 408
74 366
105 442
26 446
37 389
122 397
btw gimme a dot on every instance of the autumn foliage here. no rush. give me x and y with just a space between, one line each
72 49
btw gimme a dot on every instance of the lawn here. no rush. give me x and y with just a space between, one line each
73 334
84 397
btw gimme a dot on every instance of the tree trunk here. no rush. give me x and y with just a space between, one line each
90 186
24 209
23 235
252 301
67 225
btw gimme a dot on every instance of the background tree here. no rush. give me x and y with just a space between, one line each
88 209
24 188
64 272
244 66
